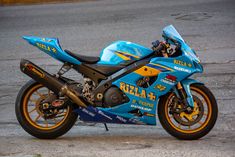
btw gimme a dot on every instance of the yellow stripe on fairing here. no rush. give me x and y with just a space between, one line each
129 54
122 56
147 71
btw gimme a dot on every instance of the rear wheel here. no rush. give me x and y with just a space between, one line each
189 125
40 119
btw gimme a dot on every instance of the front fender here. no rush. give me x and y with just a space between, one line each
186 85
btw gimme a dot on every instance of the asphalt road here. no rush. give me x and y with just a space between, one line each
208 26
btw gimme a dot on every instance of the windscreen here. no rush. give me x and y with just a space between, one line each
173 37
169 32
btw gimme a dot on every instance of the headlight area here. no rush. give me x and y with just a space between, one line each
198 66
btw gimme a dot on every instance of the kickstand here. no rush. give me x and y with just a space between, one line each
106 127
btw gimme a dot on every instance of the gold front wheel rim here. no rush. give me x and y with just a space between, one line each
48 125
202 124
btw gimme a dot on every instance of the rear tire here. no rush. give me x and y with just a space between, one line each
31 127
179 133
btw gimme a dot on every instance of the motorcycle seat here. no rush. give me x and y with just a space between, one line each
82 58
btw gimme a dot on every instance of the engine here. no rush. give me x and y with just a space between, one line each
114 96
88 87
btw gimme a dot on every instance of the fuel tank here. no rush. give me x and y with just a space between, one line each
123 53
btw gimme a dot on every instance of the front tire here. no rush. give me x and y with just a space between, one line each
199 123
27 108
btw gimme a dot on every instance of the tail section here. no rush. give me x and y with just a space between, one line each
52 47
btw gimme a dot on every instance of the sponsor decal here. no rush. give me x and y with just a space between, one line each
140 107
121 119
102 113
151 96
160 87
182 69
132 90
136 121
182 63
88 112
167 82
47 48
126 88
143 103
46 40
35 70
169 79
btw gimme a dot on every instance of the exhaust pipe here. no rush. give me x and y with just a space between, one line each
49 81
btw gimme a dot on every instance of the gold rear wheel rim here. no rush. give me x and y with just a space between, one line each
33 121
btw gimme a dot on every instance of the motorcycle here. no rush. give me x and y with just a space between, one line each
127 84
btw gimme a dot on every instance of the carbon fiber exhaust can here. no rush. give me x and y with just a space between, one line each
51 82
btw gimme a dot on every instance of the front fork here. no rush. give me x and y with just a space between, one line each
183 91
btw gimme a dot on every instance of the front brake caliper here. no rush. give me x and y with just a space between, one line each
190 116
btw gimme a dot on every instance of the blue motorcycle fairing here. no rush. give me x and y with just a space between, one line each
119 114
121 52
52 47
168 72
94 114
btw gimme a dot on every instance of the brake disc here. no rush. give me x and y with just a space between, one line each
190 118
